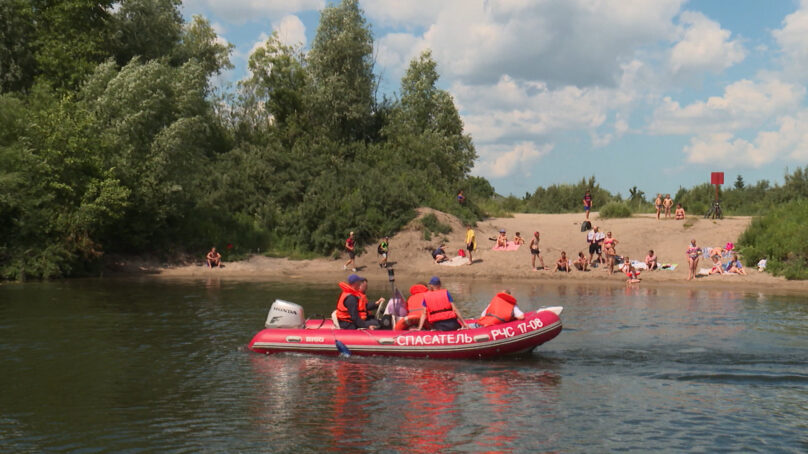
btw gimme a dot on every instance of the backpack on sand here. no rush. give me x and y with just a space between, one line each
586 225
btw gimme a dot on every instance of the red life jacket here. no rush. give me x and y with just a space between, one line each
438 306
416 299
362 307
499 310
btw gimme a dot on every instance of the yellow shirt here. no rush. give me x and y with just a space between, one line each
470 238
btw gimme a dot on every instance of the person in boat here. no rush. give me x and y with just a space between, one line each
214 258
353 310
501 309
415 307
440 311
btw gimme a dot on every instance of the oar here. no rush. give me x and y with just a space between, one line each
342 348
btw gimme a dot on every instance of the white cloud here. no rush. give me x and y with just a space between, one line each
503 160
242 11
789 141
291 31
745 104
792 38
405 13
704 46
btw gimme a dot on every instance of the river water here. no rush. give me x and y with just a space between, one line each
134 365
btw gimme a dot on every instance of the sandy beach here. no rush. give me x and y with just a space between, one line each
411 259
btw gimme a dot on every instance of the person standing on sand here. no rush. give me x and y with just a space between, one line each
609 249
693 254
536 252
668 204
595 239
350 245
471 242
658 205
587 204
383 249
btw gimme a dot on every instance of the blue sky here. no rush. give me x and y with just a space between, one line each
649 93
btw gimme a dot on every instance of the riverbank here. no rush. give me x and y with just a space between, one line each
411 259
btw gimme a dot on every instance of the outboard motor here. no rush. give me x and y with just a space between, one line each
283 314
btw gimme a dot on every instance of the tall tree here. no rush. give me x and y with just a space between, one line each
17 34
146 28
342 66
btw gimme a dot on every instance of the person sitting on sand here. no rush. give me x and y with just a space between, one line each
563 263
693 254
631 272
581 263
716 253
735 266
439 254
679 215
535 252
214 258
502 239
518 240
651 261
718 267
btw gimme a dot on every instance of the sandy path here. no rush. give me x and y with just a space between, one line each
409 253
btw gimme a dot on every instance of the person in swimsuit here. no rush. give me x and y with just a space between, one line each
581 263
680 212
631 272
693 255
651 261
658 205
563 263
587 204
735 266
536 252
502 239
518 240
214 258
609 249
350 245
668 204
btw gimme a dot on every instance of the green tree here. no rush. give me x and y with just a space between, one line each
341 64
739 184
17 56
148 29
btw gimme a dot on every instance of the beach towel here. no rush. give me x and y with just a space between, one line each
455 261
510 247
639 265
668 266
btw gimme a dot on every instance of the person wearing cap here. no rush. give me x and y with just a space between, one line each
441 311
502 239
353 310
350 244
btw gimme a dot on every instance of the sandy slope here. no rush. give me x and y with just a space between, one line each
410 253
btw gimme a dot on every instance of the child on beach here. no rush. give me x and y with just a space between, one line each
502 239
517 239
631 272
651 261
658 205
668 204
581 263
563 263
536 252
679 215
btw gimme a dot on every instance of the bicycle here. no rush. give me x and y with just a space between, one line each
714 212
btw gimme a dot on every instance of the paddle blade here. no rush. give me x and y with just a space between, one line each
342 348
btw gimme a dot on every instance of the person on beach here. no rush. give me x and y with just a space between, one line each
518 240
693 255
651 261
631 272
461 199
563 263
439 254
350 245
610 250
502 239
581 263
595 240
353 310
536 252
501 309
383 249
735 265
668 204
415 307
471 242
718 267
587 203
679 215
214 258
440 311
658 205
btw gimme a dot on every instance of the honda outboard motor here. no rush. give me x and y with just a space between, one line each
283 314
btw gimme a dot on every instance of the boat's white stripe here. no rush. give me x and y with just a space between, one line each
401 348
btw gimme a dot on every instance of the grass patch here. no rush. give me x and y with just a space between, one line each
431 226
780 237
615 210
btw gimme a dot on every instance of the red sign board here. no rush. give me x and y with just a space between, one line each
717 178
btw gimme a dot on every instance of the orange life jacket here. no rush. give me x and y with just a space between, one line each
362 307
499 310
416 299
438 306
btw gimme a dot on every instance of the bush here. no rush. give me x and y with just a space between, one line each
615 210
781 238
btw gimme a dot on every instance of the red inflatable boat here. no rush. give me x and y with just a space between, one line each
286 333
